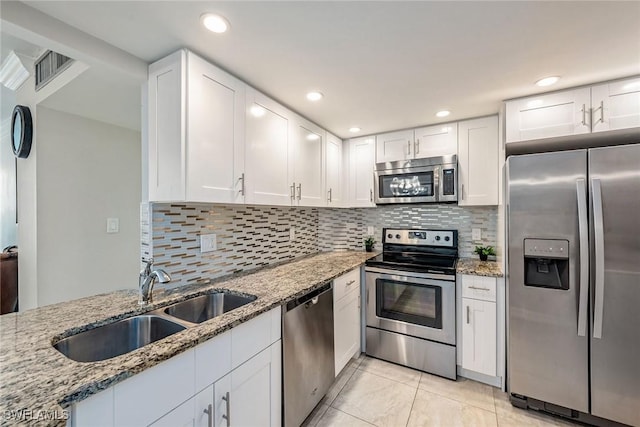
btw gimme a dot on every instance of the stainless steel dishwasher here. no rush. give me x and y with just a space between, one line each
308 358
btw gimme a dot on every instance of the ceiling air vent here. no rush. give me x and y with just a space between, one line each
49 65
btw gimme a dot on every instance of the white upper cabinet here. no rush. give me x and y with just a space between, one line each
478 152
616 105
394 146
196 131
269 129
436 140
549 115
308 166
333 161
215 137
361 164
420 143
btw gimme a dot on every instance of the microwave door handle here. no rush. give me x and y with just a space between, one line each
598 229
581 193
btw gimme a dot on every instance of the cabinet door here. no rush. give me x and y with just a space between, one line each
346 328
249 395
478 151
394 146
166 141
437 140
204 413
268 134
549 115
361 164
215 123
479 336
333 170
182 416
616 105
309 164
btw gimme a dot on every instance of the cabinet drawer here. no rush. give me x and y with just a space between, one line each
479 287
348 282
250 338
213 360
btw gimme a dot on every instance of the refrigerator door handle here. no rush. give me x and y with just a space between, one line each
581 193
599 258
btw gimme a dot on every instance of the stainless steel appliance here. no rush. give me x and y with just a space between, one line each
308 358
410 298
433 179
574 283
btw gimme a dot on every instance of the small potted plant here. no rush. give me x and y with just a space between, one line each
369 243
484 252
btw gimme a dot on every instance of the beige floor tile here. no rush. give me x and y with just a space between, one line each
391 371
510 416
375 399
315 415
464 390
336 418
430 409
338 384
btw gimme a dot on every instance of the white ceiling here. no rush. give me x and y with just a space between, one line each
381 65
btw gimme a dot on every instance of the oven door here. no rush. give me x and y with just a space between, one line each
407 185
419 307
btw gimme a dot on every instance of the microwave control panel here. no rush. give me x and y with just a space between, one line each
448 182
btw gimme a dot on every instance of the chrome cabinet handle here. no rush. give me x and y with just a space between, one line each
227 416
351 282
329 197
601 108
242 189
293 191
599 258
209 412
370 195
584 115
479 289
367 297
583 233
416 147
299 191
408 148
468 315
461 191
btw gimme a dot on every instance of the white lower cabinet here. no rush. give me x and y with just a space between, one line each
234 378
479 325
346 318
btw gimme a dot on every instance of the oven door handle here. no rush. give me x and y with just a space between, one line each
402 273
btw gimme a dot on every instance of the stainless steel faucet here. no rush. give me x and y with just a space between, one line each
146 281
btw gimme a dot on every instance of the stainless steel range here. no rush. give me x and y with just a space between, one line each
410 297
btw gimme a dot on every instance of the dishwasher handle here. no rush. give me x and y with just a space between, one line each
309 299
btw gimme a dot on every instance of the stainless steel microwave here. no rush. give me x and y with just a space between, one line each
430 180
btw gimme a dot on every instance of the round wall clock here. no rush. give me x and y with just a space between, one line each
21 131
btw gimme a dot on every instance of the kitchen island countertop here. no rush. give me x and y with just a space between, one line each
38 380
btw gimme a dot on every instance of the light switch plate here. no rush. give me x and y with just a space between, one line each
370 231
292 234
113 225
208 243
476 234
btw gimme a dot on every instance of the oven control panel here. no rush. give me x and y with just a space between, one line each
420 237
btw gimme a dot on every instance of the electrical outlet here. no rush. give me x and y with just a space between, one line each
113 225
208 243
476 234
292 234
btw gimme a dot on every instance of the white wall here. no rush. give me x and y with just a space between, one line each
87 171
8 226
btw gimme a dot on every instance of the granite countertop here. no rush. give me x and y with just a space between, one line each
476 267
37 378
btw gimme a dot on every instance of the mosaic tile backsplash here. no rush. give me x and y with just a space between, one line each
253 236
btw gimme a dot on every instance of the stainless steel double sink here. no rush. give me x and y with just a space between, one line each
124 336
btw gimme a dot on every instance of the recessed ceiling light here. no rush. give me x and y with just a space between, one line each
313 137
216 23
547 81
443 113
314 96
354 129
257 111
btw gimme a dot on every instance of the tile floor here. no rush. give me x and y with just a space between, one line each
371 392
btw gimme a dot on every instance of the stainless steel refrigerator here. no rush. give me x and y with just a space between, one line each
573 272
